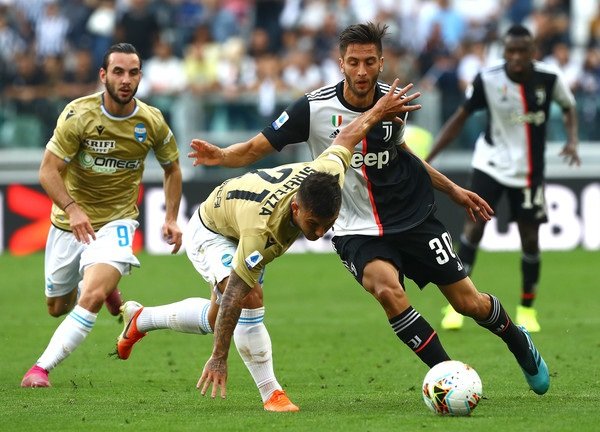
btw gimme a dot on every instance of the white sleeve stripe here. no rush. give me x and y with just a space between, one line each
336 158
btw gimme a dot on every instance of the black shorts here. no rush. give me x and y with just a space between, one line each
526 204
424 253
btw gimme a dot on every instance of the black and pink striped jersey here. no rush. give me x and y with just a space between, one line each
387 190
511 149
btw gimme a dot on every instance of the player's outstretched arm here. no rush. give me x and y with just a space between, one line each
449 132
215 369
474 205
389 107
233 156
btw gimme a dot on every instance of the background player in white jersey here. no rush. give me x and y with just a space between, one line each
244 224
91 170
386 229
509 156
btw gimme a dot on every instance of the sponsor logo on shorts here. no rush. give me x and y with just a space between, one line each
226 260
253 259
350 267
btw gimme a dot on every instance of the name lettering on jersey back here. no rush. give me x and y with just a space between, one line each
219 194
100 146
290 185
379 159
535 117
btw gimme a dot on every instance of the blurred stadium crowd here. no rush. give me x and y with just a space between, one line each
268 52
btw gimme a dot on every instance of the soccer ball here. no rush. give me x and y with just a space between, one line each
452 388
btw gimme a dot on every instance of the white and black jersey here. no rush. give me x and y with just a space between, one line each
511 149
387 190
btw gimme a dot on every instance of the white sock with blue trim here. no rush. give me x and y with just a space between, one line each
254 345
187 316
67 337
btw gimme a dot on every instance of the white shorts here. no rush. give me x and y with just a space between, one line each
210 253
66 258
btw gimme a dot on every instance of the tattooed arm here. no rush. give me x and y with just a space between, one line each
215 369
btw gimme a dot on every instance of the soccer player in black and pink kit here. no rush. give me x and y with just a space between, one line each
509 156
386 229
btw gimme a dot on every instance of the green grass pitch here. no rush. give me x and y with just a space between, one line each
334 354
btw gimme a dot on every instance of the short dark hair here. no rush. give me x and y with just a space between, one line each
321 194
518 30
368 33
122 47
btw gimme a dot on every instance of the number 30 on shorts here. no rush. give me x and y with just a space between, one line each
442 248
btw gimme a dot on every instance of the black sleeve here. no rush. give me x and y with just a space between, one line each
476 99
291 127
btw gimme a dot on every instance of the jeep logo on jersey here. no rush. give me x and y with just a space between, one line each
253 259
103 164
280 120
100 146
379 160
537 118
140 132
336 120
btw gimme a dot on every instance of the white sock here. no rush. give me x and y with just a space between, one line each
187 316
254 345
67 337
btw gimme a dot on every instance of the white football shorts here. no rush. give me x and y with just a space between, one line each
210 253
66 258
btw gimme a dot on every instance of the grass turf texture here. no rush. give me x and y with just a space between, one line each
334 354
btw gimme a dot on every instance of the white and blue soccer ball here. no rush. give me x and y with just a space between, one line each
452 388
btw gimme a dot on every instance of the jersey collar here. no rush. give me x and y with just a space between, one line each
114 117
